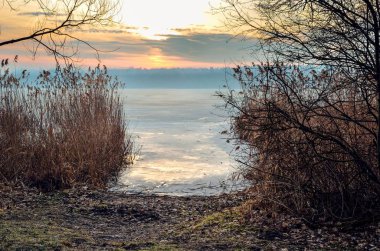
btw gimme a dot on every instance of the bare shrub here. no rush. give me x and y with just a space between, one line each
307 139
67 128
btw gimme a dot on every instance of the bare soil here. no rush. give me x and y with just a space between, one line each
81 219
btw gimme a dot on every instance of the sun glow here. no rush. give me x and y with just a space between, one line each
148 34
153 19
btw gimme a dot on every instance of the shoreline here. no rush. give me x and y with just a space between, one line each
79 219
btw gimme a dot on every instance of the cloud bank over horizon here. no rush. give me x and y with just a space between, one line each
168 34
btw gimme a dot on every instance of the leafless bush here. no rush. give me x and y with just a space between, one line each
307 139
67 128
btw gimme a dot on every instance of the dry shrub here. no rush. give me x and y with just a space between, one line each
65 129
307 140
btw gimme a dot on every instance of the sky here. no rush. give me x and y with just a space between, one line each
149 34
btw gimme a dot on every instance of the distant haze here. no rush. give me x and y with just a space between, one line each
188 78
178 78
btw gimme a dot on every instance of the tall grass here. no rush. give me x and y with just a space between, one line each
64 129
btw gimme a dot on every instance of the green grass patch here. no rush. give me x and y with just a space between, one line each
28 235
228 219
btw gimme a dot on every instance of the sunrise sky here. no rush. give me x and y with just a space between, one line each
151 34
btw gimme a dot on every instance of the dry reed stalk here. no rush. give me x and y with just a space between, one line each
67 129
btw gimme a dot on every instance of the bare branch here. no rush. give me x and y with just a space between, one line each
71 16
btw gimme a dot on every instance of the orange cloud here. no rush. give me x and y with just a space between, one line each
186 41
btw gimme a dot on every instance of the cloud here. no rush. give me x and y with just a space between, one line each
196 47
121 48
183 30
116 29
40 13
183 50
206 47
96 30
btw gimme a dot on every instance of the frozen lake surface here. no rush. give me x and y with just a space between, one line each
183 152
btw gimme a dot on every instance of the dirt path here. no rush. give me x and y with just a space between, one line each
82 220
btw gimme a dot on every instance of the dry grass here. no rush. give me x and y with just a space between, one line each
307 141
69 128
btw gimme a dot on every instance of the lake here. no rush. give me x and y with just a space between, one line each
182 150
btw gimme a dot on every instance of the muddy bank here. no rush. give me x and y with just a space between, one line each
96 219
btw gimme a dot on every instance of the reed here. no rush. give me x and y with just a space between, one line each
64 129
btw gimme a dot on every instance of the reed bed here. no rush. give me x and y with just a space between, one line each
64 129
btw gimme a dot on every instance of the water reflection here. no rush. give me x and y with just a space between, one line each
182 151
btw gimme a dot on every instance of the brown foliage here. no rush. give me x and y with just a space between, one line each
66 129
308 139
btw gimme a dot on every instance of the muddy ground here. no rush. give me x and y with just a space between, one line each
83 219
